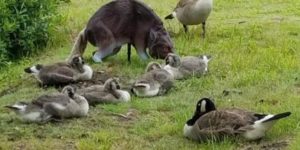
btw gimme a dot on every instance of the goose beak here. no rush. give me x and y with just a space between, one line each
27 70
10 107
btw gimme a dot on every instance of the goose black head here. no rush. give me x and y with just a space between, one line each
173 60
204 105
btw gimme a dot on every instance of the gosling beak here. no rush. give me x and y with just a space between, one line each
27 70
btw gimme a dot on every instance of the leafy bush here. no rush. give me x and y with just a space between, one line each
24 27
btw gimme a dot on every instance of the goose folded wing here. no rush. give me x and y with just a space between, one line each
52 98
247 116
61 78
94 98
93 88
162 76
182 3
191 66
221 123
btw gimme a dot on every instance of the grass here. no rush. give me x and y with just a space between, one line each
255 48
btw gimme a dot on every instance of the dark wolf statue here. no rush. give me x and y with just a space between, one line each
122 22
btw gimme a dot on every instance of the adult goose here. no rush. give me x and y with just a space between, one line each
192 12
209 123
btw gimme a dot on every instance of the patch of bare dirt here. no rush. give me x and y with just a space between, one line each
99 77
277 145
227 92
272 102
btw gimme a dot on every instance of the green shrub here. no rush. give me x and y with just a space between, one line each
24 27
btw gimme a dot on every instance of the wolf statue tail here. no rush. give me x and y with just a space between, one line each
79 46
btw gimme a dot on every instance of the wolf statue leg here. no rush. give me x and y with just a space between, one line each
140 46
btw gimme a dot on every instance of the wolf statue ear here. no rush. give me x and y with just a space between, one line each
152 35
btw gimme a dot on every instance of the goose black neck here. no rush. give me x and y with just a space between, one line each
193 120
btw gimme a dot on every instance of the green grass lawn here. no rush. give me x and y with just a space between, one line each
255 48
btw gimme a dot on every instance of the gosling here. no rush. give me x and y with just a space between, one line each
182 68
55 106
110 92
155 82
61 73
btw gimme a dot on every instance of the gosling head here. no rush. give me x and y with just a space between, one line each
112 84
173 60
77 62
205 59
35 70
18 108
153 66
69 90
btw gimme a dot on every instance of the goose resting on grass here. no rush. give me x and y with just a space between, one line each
156 81
66 104
182 68
61 73
209 123
110 92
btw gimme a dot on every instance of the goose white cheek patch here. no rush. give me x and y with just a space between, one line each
174 14
203 104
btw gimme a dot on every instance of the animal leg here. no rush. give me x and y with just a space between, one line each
141 50
140 45
105 52
129 52
79 46
185 28
143 54
203 28
106 43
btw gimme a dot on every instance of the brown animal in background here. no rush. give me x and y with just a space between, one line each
120 22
